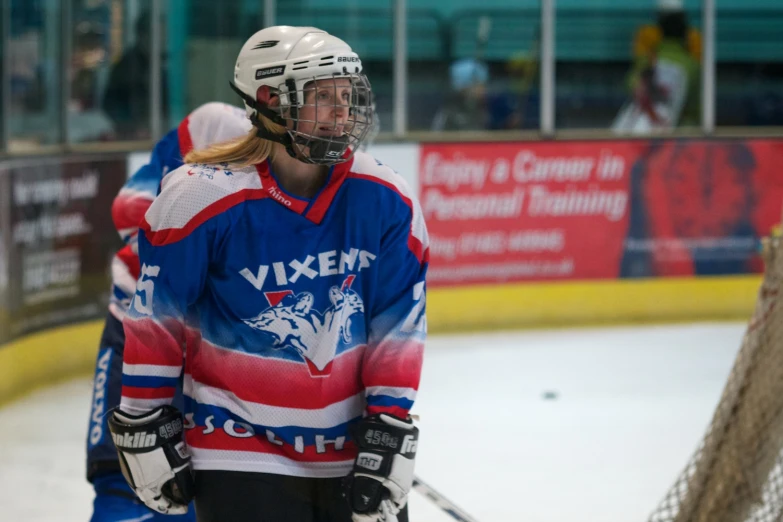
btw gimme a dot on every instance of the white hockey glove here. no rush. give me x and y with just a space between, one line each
154 458
383 472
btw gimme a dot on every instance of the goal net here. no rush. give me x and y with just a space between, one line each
736 474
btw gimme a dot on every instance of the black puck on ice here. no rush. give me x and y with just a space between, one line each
549 395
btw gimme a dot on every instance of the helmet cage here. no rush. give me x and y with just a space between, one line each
349 134
369 118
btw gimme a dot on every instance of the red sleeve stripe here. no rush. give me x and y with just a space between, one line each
149 342
401 363
392 391
398 412
130 260
133 392
415 246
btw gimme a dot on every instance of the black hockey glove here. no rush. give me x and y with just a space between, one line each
154 458
383 472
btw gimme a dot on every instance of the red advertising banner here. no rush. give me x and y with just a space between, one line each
597 209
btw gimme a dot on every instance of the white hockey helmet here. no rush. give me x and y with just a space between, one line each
283 61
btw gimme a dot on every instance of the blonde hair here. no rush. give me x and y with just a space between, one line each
241 152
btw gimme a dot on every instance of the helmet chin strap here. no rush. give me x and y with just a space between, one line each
261 130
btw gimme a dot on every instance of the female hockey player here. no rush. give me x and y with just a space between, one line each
287 274
209 124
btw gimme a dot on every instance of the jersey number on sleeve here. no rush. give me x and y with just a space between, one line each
142 303
416 320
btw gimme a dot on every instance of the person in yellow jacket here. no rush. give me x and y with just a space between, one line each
648 37
664 83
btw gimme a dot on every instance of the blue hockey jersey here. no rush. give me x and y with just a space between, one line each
294 317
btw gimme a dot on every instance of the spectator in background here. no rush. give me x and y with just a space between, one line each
648 37
128 94
516 106
664 84
86 120
88 55
465 106
26 72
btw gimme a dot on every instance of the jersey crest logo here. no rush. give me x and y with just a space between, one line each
209 171
293 323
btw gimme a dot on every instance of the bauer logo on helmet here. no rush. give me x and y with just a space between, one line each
269 72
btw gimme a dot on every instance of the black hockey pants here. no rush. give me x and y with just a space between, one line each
235 496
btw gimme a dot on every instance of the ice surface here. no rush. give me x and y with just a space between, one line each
582 425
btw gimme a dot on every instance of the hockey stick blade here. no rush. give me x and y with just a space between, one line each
442 502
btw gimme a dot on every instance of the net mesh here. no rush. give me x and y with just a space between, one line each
736 474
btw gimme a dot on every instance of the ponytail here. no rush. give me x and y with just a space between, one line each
241 152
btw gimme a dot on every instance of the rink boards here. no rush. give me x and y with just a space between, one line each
38 352
46 357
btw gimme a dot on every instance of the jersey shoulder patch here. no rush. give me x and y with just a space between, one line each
195 193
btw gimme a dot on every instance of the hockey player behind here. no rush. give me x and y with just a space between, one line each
285 273
207 125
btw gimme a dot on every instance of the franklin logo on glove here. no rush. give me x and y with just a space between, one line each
134 440
409 445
